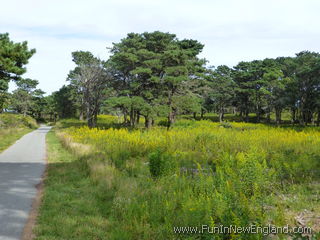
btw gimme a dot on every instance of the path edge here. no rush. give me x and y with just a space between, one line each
27 233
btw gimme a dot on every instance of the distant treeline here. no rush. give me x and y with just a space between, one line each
155 74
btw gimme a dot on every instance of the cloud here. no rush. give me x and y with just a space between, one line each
231 30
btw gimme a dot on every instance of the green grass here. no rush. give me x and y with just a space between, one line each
10 136
89 197
10 120
72 206
13 127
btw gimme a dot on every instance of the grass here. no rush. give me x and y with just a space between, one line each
10 120
135 184
72 206
13 127
10 136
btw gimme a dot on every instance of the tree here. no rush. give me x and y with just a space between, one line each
221 88
90 78
308 84
275 92
138 67
64 103
155 66
290 94
243 76
50 110
22 97
258 83
39 104
13 58
181 66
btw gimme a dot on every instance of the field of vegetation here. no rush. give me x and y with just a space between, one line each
13 127
165 162
198 173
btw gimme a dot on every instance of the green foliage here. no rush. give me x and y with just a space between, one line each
16 121
162 163
73 206
13 57
221 93
200 173
13 127
226 125
63 102
156 67
23 97
89 79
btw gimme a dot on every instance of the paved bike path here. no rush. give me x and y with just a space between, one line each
21 168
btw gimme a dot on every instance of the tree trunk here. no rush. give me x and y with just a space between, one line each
1 105
258 112
278 115
95 119
202 113
134 118
82 110
125 117
221 115
195 116
313 118
132 122
268 117
310 116
305 118
90 122
81 117
170 119
170 115
318 118
293 115
247 115
148 122
300 118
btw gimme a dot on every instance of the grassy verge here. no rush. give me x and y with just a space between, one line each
13 127
9 136
72 206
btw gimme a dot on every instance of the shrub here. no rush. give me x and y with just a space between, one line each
161 163
9 120
226 125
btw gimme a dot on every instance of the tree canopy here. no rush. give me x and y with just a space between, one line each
13 58
155 74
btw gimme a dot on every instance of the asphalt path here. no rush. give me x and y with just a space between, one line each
21 168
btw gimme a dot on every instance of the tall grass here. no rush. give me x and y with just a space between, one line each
9 120
198 173
14 126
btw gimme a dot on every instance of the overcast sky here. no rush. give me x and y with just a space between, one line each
232 30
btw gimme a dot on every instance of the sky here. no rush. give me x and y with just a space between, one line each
231 30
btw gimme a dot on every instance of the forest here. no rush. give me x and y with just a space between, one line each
155 75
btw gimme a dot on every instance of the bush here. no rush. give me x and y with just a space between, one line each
9 120
226 125
162 164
